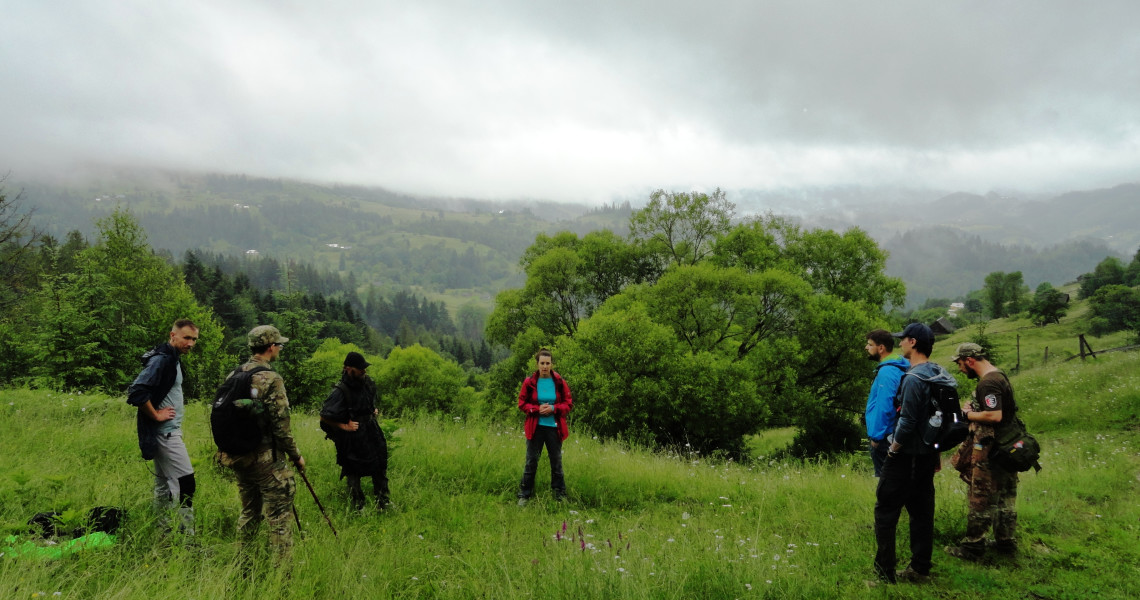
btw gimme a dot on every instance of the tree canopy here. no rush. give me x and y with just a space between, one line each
696 331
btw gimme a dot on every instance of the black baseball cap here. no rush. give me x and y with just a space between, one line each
918 331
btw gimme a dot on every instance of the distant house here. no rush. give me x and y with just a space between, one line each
942 326
251 253
955 307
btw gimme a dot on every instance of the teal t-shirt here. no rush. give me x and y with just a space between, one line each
547 395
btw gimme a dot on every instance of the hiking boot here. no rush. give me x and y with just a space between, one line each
966 552
909 575
1006 547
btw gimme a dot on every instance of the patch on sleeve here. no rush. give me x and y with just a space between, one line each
991 401
253 392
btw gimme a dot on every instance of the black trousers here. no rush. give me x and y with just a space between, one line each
548 437
907 481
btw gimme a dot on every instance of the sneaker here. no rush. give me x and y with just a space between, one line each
523 501
909 575
965 552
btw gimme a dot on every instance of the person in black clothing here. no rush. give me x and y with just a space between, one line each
348 418
907 480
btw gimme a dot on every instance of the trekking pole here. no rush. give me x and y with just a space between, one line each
318 501
297 519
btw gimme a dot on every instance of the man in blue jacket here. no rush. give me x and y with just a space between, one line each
157 393
881 413
907 480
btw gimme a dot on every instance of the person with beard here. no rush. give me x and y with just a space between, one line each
907 480
992 492
157 393
881 412
348 418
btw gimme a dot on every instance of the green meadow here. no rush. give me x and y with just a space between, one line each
638 524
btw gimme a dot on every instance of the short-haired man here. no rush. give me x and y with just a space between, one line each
993 490
348 418
265 481
907 480
881 413
157 393
545 399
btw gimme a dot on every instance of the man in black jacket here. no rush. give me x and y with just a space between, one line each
907 480
348 418
157 392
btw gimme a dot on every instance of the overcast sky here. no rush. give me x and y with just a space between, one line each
585 100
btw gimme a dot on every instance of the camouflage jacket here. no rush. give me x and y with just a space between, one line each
271 404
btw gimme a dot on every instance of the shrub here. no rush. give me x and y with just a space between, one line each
417 378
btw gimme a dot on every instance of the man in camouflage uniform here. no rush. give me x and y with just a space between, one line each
265 481
992 490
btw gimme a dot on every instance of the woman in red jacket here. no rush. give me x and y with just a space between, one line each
545 399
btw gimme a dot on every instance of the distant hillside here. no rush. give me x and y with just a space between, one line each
941 245
1110 216
383 238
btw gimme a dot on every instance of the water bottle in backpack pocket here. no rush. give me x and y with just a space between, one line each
946 427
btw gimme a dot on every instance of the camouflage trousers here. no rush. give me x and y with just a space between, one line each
266 488
993 504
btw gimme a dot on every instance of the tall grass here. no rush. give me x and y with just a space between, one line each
637 524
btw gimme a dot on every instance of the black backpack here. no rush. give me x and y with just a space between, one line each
236 430
946 426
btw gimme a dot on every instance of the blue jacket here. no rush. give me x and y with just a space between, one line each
881 411
914 405
153 383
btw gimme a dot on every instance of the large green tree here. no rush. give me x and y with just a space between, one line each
681 227
1115 308
723 330
17 239
1110 271
120 301
567 278
1004 293
1048 305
